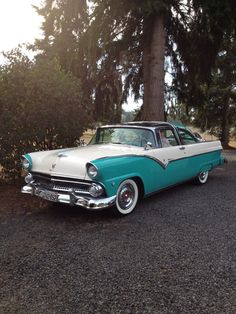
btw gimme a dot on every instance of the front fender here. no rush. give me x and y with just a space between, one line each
114 170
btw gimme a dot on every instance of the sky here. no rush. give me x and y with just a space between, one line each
19 23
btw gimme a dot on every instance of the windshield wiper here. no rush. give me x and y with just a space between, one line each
116 143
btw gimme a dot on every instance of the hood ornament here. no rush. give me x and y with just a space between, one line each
62 155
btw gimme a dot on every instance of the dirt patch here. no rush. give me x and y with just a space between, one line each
13 201
232 144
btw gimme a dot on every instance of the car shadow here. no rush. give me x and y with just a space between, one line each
77 214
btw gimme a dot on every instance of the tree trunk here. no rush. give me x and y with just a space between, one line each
225 124
153 69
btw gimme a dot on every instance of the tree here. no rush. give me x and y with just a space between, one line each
218 110
65 25
119 41
203 80
40 108
130 39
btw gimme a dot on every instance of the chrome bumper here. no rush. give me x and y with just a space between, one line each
70 198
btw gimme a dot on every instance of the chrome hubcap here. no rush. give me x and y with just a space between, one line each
202 176
126 196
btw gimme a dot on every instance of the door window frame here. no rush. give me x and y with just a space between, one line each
164 128
189 133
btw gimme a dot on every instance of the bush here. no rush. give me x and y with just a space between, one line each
41 107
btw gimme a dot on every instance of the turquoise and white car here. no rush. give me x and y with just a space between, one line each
121 164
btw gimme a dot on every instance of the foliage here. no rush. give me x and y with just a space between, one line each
203 64
108 40
211 105
218 111
66 36
103 42
195 43
40 108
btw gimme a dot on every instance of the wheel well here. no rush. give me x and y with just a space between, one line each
139 183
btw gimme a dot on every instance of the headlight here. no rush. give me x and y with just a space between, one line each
92 171
26 162
96 190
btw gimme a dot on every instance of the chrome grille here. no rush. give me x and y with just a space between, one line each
62 184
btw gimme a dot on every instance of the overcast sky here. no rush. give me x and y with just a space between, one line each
19 23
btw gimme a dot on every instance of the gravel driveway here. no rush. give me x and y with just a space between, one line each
175 254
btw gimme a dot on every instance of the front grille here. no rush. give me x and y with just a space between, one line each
61 184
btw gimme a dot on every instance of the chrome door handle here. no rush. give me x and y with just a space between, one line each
182 148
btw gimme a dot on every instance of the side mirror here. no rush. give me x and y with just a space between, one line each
148 145
198 136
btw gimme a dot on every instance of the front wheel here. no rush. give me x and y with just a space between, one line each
202 177
126 197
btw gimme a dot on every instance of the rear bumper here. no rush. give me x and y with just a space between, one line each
69 198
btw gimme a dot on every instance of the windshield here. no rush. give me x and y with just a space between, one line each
122 135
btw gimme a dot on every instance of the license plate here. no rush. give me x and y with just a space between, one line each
48 195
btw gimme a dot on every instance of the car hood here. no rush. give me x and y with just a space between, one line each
72 162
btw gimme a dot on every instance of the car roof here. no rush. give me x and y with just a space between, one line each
143 124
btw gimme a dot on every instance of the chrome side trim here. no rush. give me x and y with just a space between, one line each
163 165
140 156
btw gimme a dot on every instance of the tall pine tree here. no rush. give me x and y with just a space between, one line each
120 46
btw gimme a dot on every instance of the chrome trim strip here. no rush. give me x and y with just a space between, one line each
61 189
68 181
134 155
163 165
54 178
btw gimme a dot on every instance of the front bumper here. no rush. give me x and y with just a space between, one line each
71 198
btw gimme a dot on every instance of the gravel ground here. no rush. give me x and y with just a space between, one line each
175 254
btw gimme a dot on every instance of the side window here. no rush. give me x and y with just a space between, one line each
186 137
166 137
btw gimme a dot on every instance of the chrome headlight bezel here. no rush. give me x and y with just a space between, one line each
92 171
26 163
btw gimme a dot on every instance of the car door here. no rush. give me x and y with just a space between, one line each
171 156
194 150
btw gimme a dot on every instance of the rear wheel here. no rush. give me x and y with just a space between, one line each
202 177
126 197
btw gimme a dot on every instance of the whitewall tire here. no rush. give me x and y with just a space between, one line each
126 197
202 177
